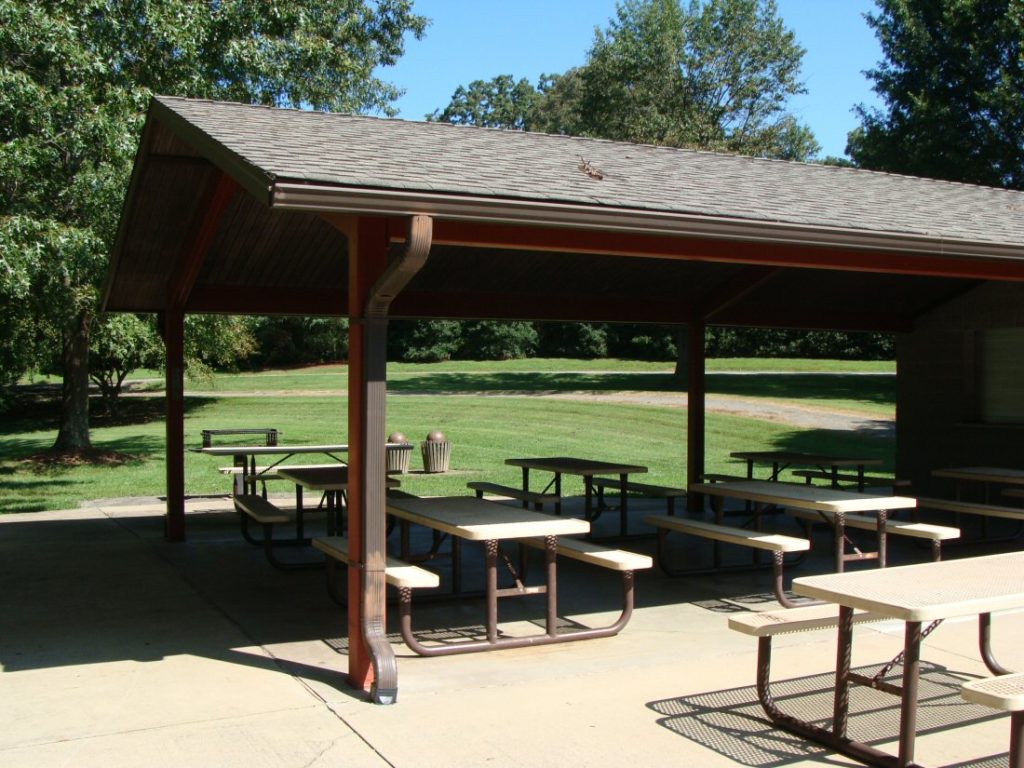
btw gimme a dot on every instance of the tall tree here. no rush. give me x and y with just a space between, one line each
502 102
715 75
75 79
951 83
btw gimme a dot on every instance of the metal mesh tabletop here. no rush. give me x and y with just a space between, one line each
926 591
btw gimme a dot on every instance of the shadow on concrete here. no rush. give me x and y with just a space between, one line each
732 723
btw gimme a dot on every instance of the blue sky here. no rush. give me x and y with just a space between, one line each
480 39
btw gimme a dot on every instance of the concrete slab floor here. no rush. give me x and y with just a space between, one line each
118 649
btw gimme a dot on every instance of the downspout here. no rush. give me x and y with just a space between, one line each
374 556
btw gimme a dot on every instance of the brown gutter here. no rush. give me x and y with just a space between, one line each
374 555
287 195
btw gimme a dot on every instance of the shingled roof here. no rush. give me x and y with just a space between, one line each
370 153
534 226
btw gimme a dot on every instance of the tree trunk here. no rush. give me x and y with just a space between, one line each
74 407
682 353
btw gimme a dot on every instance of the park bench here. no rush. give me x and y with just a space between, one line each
620 560
765 625
644 489
397 573
777 544
252 506
1005 693
536 498
935 534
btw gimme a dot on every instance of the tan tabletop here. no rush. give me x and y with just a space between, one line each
569 466
781 460
983 474
271 450
332 478
587 469
796 457
803 496
927 591
480 520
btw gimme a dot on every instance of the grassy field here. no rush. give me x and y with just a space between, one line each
489 411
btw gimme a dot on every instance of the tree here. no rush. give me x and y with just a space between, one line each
715 75
501 102
120 344
75 79
951 83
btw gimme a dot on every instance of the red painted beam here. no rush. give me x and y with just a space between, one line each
239 300
482 235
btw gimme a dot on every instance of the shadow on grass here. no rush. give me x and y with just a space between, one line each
40 411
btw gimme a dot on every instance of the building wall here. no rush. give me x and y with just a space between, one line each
937 422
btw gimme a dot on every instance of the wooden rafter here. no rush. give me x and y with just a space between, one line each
217 194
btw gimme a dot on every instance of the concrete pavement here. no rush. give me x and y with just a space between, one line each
118 649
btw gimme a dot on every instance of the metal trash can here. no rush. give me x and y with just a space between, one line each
436 455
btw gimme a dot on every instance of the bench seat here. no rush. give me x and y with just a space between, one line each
935 534
666 492
620 560
259 509
772 542
802 619
777 544
596 554
1005 693
527 497
251 506
397 573
971 508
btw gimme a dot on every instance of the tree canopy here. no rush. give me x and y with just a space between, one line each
951 83
712 75
75 79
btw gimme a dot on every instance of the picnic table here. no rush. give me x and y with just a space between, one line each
587 469
913 594
244 459
332 482
829 465
835 503
466 518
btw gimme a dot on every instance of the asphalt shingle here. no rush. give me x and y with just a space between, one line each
378 153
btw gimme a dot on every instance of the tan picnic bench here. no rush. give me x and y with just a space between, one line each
536 498
644 489
777 544
586 551
1005 693
252 506
397 573
935 534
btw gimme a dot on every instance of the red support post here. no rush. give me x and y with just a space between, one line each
695 389
173 326
367 258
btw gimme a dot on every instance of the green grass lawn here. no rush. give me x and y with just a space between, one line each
484 429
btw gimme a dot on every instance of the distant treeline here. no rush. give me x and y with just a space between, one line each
294 341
